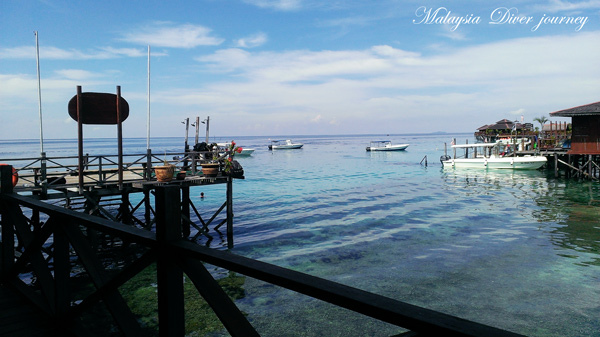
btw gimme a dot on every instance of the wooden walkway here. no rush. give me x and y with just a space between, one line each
19 318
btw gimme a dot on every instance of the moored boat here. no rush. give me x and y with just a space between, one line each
245 151
284 145
491 156
385 145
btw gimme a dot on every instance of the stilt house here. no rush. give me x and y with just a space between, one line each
585 138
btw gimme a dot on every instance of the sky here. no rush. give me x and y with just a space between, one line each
297 67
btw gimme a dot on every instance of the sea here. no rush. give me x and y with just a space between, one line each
515 250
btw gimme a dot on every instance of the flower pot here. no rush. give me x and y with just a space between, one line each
164 173
181 175
210 169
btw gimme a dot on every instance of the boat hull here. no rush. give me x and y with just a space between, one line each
245 152
285 147
512 163
388 148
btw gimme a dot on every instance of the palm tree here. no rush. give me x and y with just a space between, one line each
542 120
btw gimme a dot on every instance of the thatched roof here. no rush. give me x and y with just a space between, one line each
582 110
503 124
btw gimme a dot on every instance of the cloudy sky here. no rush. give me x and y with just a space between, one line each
298 67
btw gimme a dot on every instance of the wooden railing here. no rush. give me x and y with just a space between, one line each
25 241
44 173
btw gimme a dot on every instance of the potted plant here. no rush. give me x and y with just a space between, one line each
164 173
232 167
211 168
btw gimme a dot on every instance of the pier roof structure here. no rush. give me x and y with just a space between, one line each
585 138
592 109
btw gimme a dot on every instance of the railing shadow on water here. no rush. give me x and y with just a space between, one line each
53 240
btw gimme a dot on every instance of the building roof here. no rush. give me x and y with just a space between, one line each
503 124
592 109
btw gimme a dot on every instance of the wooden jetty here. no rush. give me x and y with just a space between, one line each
47 245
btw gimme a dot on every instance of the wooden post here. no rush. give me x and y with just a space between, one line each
43 177
79 140
8 231
62 269
148 172
229 212
171 314
147 206
185 210
120 138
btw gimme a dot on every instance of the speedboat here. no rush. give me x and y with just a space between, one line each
385 145
492 156
284 144
245 151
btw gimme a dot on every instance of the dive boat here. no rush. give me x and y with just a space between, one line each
284 144
492 156
385 145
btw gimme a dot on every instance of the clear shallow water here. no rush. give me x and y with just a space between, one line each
520 251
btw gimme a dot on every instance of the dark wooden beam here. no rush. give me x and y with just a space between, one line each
171 313
232 318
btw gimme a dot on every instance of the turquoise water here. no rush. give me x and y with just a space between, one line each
519 251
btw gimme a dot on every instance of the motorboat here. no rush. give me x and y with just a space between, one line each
491 156
284 144
385 145
245 151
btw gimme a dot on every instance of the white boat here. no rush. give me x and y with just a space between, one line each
490 156
284 144
385 145
245 151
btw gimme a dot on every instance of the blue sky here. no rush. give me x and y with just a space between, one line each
289 67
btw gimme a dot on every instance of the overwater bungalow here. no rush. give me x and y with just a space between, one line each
504 129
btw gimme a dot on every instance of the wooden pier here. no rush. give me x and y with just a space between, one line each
99 187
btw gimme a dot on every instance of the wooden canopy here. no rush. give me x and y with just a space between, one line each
592 109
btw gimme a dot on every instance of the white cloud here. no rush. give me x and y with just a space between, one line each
255 40
283 5
75 74
561 6
447 91
316 119
54 53
164 34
